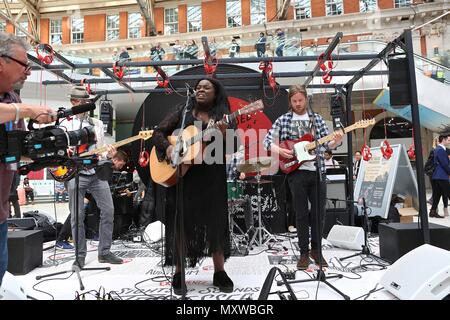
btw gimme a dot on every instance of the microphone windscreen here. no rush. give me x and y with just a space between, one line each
82 108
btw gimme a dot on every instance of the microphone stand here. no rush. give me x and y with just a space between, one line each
76 267
179 200
319 208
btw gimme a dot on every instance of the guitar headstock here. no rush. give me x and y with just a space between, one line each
364 123
147 134
252 107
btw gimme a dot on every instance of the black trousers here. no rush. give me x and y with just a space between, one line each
440 188
302 184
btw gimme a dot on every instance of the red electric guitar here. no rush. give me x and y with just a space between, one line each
305 144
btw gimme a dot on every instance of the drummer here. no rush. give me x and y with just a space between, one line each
232 172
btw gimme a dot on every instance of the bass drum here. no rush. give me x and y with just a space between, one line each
272 203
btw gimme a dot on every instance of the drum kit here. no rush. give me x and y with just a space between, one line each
255 235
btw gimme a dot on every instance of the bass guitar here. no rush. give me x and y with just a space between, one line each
66 172
302 147
163 173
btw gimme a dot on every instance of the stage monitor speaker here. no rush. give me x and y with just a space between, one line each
11 288
154 232
397 239
399 82
346 237
421 274
24 251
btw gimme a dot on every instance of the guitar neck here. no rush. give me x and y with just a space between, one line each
329 137
116 145
198 137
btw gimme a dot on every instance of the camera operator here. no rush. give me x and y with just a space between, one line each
88 180
14 70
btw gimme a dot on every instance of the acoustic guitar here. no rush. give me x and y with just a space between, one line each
303 146
64 173
163 173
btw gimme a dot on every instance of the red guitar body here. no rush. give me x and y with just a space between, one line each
289 165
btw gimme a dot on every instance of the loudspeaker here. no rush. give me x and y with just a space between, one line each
346 237
397 239
335 217
399 82
11 288
421 274
24 251
22 223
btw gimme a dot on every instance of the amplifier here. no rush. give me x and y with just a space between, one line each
346 237
397 239
24 251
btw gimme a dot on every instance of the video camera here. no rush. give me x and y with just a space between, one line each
47 146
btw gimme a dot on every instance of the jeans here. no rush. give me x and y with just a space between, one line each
99 189
3 249
302 184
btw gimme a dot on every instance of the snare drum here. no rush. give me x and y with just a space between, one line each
235 191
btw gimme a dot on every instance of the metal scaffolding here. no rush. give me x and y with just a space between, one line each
404 41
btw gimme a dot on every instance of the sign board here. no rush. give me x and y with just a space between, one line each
379 178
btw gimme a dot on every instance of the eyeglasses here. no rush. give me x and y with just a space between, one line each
26 65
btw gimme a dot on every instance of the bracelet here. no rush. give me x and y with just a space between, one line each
17 113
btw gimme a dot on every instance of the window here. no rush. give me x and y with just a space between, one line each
234 18
436 51
367 5
77 30
56 31
134 25
402 3
302 9
2 26
334 7
19 33
112 27
257 11
171 21
194 18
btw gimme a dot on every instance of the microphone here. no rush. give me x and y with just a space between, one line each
64 113
191 91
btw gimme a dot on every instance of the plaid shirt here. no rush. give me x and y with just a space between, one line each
284 129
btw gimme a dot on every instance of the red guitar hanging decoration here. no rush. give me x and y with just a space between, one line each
46 58
144 158
326 67
386 149
118 71
365 152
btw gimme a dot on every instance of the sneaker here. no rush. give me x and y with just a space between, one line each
303 262
221 280
80 263
292 229
315 256
63 245
109 258
176 284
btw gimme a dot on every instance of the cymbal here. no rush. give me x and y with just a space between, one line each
254 164
254 181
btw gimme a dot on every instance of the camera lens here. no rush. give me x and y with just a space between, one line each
82 136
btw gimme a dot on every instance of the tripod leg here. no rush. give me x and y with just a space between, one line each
346 297
348 257
76 269
53 274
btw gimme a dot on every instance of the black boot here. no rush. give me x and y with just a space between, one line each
178 289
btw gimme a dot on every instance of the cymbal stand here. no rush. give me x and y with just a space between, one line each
237 239
260 231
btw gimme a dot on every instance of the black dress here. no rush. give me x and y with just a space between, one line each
204 199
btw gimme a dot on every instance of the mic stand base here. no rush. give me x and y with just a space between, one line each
321 277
